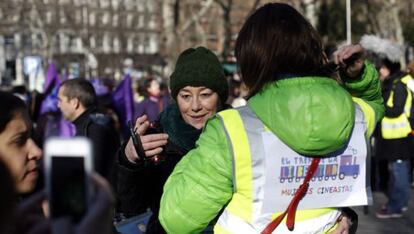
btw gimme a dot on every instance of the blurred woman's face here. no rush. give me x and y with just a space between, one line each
154 88
20 153
383 73
197 105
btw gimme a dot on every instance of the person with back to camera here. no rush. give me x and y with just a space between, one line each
293 105
199 89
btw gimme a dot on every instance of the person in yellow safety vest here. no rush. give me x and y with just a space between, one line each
296 104
395 141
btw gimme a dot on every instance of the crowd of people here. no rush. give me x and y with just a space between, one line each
208 155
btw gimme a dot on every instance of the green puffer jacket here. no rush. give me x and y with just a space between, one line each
312 115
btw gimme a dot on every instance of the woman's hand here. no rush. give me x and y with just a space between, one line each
98 218
350 58
343 225
151 143
27 217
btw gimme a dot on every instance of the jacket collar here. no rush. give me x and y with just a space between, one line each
84 116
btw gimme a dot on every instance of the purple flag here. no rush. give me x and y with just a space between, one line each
100 88
52 76
52 83
50 103
124 104
66 128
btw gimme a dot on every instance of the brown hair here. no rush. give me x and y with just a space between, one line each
276 39
81 89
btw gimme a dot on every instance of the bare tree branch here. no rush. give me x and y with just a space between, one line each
254 6
196 17
221 3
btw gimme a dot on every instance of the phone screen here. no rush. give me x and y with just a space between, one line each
68 190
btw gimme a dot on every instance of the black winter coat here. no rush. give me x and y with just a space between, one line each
140 186
99 128
396 148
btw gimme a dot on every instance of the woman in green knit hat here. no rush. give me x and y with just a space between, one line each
200 90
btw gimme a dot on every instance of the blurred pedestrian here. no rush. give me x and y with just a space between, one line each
77 101
17 148
395 145
153 103
394 141
236 98
19 166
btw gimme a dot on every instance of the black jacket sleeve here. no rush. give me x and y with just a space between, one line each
400 95
140 186
133 190
106 143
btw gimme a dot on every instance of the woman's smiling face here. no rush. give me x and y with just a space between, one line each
197 105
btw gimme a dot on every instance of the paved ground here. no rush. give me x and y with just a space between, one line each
369 224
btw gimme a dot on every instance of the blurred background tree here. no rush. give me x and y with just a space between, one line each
100 35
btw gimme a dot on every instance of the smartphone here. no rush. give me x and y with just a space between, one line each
68 166
136 141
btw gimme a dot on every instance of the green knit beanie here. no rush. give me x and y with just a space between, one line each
199 67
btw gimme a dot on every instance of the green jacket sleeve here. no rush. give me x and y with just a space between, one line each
368 88
200 185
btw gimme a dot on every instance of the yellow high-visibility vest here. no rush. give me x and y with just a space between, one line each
250 209
398 127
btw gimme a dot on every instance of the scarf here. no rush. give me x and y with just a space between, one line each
180 134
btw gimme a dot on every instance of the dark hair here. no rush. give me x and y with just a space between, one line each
20 89
10 106
147 84
81 89
276 39
390 65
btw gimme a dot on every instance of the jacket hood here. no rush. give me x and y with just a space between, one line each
312 115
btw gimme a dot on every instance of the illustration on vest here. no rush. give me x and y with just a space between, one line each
340 166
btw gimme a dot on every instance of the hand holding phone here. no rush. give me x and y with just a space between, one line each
154 142
98 218
136 141
68 167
